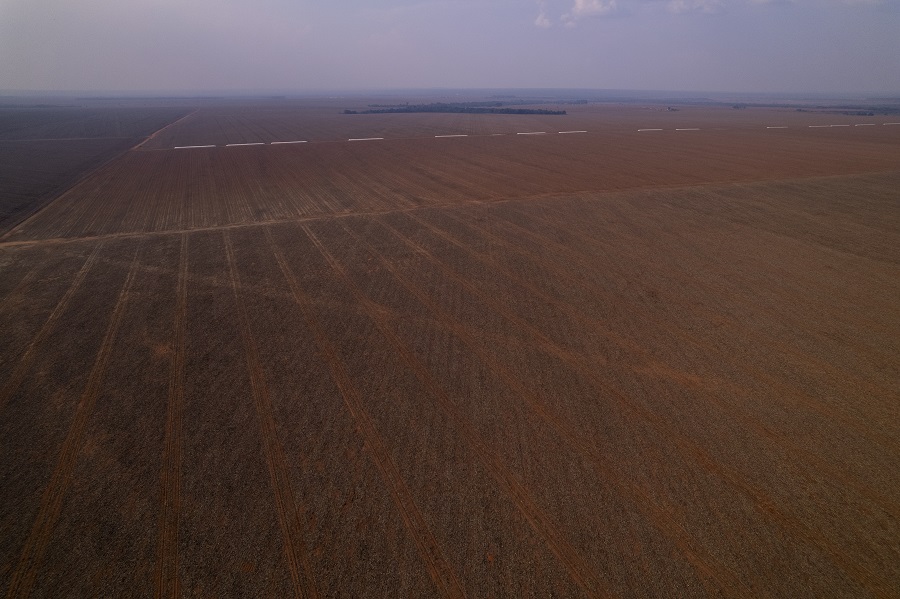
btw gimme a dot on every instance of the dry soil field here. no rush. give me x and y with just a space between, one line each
44 148
617 363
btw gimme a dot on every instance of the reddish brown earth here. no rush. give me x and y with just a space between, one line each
612 364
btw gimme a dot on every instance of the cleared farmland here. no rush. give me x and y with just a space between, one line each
211 187
600 365
44 149
322 120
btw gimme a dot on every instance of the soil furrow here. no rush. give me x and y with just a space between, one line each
763 501
808 402
662 520
28 356
23 577
285 499
439 569
837 375
540 522
787 445
167 582
17 291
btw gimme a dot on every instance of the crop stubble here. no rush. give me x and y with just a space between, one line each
609 365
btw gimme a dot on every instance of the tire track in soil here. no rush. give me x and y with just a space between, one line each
18 375
578 258
539 338
21 286
750 422
289 519
812 362
665 522
333 212
23 577
542 524
763 503
701 560
806 401
167 582
623 342
438 567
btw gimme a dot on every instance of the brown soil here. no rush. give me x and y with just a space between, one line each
44 150
611 365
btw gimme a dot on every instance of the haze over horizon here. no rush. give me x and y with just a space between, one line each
763 46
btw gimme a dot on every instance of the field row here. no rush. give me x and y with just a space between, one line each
650 393
173 191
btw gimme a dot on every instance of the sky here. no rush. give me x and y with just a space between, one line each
764 46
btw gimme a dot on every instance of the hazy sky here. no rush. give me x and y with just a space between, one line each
841 46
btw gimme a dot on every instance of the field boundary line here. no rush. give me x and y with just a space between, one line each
164 127
292 529
23 577
18 374
68 186
542 524
661 519
438 567
584 194
167 579
58 194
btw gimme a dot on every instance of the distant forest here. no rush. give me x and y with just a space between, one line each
461 107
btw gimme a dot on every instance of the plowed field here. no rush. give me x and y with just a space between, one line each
612 364
45 149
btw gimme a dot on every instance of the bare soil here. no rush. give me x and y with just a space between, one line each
602 365
45 149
